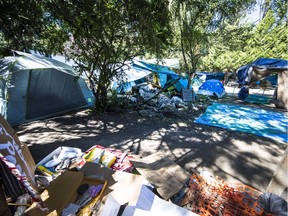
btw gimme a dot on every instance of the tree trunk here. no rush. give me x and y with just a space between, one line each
101 99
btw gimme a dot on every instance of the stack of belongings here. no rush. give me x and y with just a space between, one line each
110 157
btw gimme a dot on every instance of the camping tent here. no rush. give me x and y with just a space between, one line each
33 87
212 87
131 75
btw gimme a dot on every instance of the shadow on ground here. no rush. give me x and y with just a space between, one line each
233 156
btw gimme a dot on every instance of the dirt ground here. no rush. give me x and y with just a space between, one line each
233 156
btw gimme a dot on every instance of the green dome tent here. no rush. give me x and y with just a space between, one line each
34 87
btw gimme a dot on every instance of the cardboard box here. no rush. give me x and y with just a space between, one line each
63 191
167 176
16 152
124 187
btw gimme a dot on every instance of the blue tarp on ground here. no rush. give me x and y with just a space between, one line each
257 99
212 87
256 121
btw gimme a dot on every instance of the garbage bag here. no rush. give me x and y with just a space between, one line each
274 204
243 93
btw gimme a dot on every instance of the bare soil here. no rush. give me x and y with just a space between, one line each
233 156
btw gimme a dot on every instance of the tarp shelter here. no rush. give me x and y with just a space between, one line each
210 75
34 87
260 69
245 73
212 87
136 71
132 76
164 73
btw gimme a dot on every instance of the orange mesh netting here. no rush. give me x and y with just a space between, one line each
210 196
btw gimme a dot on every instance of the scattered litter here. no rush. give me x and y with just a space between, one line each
213 196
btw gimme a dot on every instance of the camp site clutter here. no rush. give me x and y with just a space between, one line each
107 181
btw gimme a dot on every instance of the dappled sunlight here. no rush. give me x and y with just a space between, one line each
230 155
247 119
216 137
178 152
182 124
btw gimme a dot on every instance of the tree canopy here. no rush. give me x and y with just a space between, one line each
195 23
105 34
242 43
101 35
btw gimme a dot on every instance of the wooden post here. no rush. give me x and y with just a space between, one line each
282 90
279 182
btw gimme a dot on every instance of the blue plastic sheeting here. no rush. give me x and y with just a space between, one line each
162 79
163 73
211 75
246 119
273 79
212 87
242 72
257 99
155 68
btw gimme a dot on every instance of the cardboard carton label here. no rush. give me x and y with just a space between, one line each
15 152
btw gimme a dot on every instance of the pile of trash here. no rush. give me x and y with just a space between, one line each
64 158
107 181
154 102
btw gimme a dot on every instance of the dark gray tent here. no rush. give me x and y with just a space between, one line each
33 87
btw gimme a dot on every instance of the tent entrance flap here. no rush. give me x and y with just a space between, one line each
51 92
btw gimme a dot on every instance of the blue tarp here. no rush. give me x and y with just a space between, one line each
212 87
163 72
211 75
242 72
256 121
257 99
155 68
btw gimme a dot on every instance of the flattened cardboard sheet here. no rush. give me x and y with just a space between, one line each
167 176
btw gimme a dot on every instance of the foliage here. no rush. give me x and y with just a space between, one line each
227 48
196 21
25 26
104 34
239 45
269 39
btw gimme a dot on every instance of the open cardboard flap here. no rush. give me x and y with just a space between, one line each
63 191
124 187
164 174
16 152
